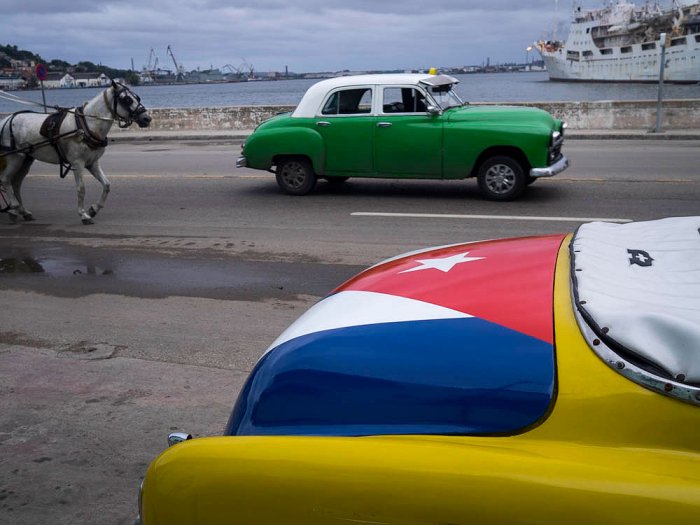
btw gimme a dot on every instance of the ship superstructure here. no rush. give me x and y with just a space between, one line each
621 43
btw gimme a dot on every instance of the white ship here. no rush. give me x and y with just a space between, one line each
621 42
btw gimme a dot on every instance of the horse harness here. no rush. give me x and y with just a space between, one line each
51 129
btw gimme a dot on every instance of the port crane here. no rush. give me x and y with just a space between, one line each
247 65
179 69
149 71
233 70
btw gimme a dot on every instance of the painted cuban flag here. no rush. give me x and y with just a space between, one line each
453 340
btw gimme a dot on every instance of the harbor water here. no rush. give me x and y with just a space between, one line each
482 87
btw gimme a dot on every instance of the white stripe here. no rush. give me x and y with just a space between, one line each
355 308
423 250
492 217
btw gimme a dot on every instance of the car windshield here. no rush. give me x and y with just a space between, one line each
445 97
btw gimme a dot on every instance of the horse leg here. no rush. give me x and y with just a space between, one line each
13 165
17 187
97 172
78 171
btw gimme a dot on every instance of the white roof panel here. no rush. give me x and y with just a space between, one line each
311 101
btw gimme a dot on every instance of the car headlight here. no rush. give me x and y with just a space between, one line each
555 142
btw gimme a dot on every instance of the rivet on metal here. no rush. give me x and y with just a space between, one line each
680 377
620 365
582 302
596 342
668 387
605 329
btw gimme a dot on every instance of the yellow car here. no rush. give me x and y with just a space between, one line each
542 380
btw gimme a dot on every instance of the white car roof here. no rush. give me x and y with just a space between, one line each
312 99
637 287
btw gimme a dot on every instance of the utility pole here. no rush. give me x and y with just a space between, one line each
662 66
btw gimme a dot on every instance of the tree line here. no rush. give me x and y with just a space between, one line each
9 52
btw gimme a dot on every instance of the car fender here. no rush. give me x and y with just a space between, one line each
415 480
264 147
467 144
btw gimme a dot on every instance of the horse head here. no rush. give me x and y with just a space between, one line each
127 107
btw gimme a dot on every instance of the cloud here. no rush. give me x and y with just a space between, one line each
304 35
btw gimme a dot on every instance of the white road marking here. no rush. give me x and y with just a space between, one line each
486 217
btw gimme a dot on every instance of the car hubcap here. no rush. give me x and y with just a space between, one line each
500 178
293 174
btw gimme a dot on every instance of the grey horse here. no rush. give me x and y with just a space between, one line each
74 138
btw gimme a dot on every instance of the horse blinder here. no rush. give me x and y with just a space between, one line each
126 98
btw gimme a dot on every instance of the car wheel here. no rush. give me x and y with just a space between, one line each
336 181
295 176
501 178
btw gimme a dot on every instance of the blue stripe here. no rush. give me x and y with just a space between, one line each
448 376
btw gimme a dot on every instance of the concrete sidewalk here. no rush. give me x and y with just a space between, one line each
238 136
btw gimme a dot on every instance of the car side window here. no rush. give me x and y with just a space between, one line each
349 102
403 100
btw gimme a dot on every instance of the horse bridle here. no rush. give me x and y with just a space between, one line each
124 97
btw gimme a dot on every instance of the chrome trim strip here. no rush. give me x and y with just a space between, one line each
139 520
552 170
241 162
687 393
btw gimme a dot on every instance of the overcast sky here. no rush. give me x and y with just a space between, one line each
304 35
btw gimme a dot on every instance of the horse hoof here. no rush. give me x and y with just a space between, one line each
92 211
88 221
28 217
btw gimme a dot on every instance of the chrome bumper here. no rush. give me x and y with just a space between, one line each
241 162
552 170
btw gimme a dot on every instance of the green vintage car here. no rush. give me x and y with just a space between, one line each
410 126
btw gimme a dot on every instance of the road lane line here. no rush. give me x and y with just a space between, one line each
487 217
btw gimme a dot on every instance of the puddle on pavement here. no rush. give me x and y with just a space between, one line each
24 265
77 271
48 266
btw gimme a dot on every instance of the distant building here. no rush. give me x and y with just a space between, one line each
12 82
90 79
59 80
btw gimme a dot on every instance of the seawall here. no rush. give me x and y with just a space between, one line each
614 115
599 115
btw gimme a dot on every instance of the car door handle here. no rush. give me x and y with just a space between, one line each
383 124
323 123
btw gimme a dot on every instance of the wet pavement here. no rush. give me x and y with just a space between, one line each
73 271
57 471
149 321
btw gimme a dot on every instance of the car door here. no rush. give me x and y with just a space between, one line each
346 124
408 140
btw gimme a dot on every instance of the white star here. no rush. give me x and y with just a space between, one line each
444 264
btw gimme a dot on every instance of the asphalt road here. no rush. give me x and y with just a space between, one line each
114 334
